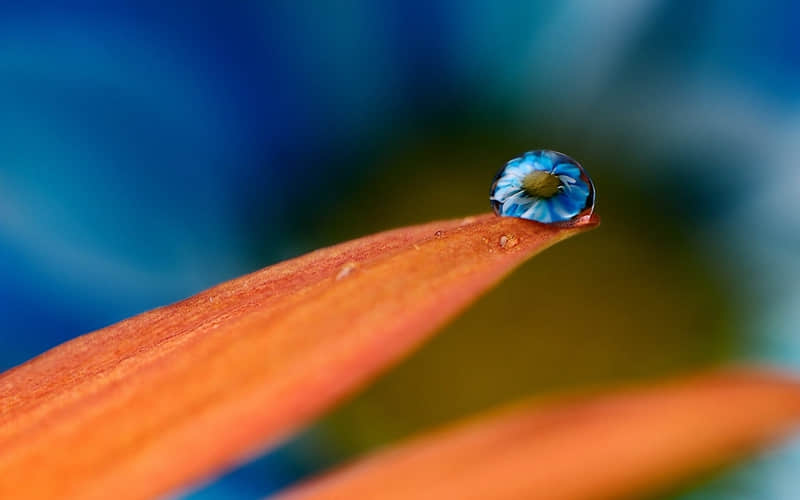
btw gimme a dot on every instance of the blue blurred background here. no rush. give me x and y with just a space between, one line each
149 151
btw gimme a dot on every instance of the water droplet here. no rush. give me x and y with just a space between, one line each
544 186
438 234
508 241
346 270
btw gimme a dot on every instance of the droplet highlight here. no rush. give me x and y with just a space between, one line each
508 241
544 186
346 270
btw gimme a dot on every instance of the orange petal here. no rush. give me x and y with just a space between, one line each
176 394
618 445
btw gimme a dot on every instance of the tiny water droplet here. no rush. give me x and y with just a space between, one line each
508 241
544 186
438 234
346 270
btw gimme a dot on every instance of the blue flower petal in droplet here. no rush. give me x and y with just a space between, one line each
567 169
544 186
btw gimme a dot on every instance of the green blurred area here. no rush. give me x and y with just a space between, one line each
633 299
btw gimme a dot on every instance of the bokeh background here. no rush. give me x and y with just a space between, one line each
151 150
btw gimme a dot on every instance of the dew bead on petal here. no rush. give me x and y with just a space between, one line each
523 189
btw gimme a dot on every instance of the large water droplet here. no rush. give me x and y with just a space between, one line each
544 186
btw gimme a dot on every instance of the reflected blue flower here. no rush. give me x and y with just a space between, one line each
544 186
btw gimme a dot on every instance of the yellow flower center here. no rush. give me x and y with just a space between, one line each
541 184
